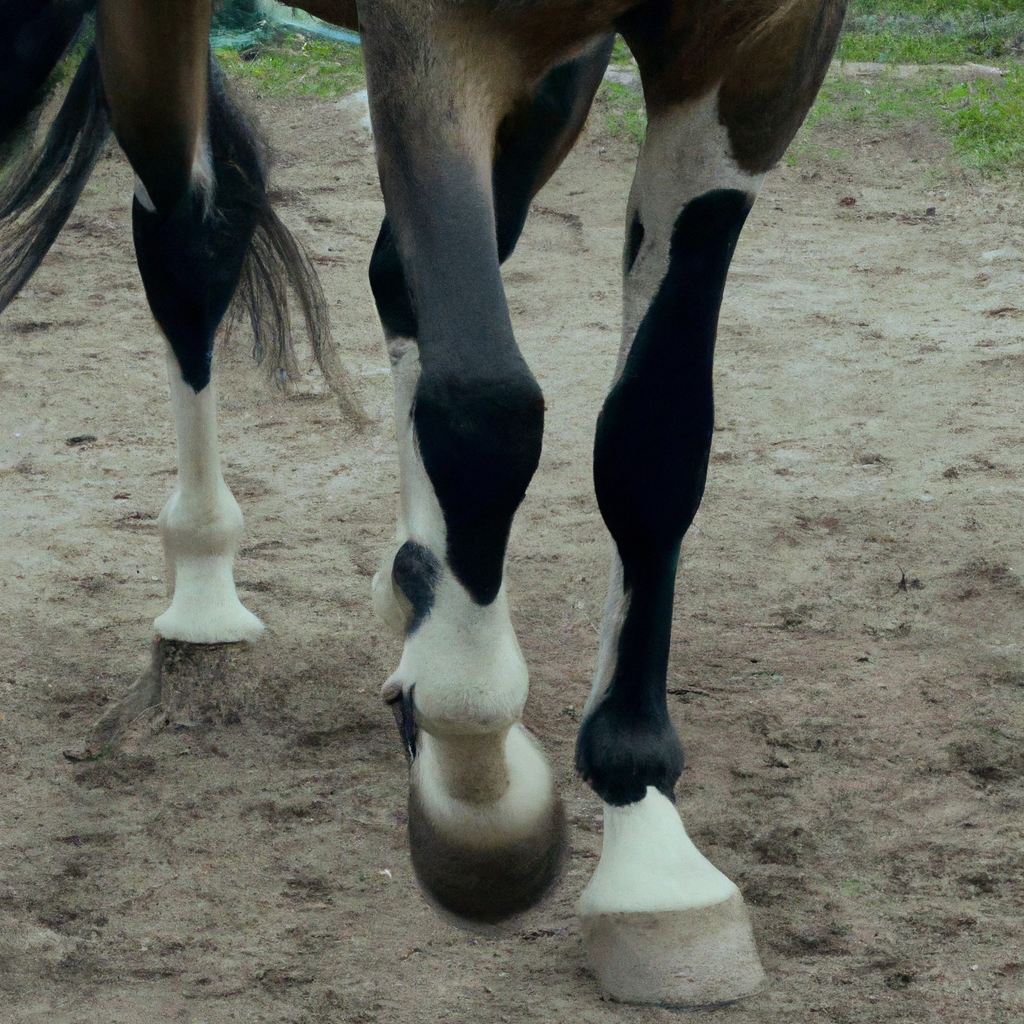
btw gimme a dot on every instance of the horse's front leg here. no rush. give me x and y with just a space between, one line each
485 824
660 922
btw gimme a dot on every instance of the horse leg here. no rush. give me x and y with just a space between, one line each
199 197
200 526
485 825
532 140
192 228
660 923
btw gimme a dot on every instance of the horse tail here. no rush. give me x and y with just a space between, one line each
36 35
274 261
39 189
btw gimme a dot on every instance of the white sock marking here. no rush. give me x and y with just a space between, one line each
649 864
201 525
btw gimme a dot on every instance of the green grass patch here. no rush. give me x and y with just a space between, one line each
882 102
983 119
893 45
621 53
934 8
623 108
624 113
986 119
293 65
933 31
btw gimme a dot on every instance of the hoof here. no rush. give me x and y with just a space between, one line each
185 686
485 862
693 957
661 924
192 620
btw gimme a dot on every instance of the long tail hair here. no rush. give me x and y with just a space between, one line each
38 190
274 261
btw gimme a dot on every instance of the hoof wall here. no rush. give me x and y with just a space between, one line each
184 624
186 686
487 885
691 957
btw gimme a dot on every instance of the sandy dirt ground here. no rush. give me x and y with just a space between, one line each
846 669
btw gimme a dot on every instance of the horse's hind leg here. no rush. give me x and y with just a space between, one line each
200 526
486 828
193 219
660 923
199 188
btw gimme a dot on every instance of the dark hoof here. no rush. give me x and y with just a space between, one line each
487 884
404 710
186 686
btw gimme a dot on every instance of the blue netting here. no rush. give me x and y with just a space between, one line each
241 23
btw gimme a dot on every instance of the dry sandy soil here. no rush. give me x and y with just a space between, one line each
846 673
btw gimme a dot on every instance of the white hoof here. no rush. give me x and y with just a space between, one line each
205 608
661 924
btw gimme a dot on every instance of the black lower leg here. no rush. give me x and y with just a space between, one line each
389 286
650 465
532 140
190 276
191 257
479 434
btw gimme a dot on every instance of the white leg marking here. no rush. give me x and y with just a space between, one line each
661 924
686 153
420 517
202 176
201 525
464 660
649 863
616 605
466 665
485 791
142 194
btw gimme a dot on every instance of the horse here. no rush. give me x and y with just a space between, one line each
474 104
